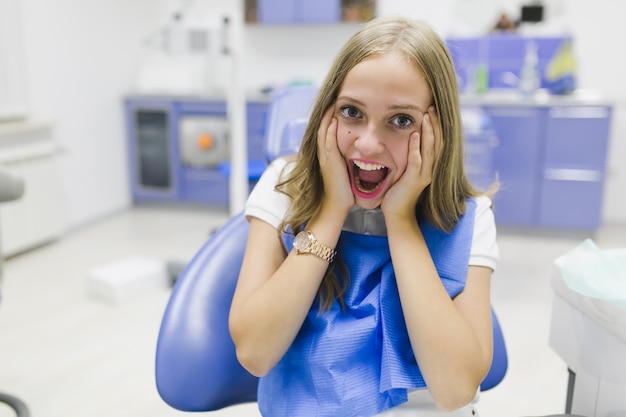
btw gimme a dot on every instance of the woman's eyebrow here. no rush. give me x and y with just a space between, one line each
351 99
394 107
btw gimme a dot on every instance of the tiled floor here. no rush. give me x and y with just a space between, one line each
68 354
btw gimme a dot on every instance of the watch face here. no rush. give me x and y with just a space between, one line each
301 240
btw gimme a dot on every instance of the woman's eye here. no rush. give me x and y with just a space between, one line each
350 112
402 121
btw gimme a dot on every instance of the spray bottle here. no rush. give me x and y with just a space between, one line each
530 79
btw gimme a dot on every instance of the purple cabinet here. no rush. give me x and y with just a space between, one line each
276 11
320 11
177 147
517 162
573 170
298 11
551 163
503 56
151 151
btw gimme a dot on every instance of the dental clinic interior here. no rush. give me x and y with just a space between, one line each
131 132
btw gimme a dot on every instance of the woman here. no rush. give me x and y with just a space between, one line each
365 283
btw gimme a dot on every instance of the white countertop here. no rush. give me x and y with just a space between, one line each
18 126
512 97
498 97
26 139
218 95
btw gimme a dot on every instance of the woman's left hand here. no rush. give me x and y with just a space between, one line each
337 191
424 148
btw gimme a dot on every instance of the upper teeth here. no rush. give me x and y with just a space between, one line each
367 166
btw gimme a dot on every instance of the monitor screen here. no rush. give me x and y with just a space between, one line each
532 14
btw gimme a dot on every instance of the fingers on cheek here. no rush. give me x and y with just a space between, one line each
331 134
332 126
324 125
415 141
428 124
415 147
430 135
433 119
432 112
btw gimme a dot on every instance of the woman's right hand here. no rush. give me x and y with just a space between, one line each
337 190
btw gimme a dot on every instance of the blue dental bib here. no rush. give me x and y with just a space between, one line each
358 362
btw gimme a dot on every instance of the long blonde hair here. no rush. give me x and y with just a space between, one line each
443 202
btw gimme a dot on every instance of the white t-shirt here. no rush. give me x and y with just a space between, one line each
266 204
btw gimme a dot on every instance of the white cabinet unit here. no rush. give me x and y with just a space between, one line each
28 152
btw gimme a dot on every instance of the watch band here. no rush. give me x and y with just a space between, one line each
313 246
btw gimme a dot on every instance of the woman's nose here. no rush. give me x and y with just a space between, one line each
369 141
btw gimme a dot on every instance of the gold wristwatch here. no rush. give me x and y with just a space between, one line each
305 242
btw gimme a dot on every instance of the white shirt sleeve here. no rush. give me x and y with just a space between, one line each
484 246
264 202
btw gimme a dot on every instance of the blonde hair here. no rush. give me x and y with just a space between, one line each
443 202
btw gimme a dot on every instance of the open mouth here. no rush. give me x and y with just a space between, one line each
368 177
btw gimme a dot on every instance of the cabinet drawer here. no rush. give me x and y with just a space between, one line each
577 135
202 107
256 151
320 11
301 11
276 11
570 203
478 161
516 162
204 186
257 112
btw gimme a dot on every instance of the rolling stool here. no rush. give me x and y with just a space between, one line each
11 188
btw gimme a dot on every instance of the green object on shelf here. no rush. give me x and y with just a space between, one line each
481 79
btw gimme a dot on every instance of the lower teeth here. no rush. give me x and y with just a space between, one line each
370 188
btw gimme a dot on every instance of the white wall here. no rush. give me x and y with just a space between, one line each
12 80
81 59
598 28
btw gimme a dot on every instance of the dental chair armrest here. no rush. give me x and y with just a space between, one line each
196 365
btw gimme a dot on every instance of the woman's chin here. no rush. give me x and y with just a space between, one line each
369 199
367 203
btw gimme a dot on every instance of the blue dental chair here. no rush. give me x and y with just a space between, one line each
196 366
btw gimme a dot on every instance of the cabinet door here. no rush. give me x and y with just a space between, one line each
276 11
153 156
479 149
37 217
574 167
149 132
516 163
480 141
319 11
298 11
202 139
256 114
201 134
